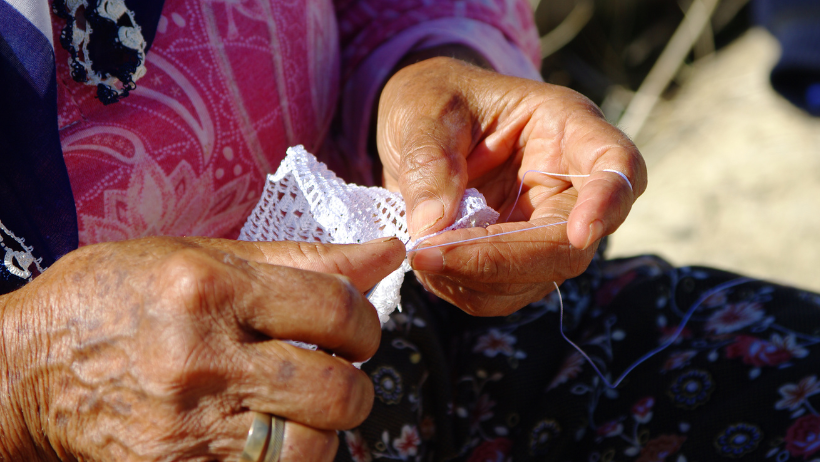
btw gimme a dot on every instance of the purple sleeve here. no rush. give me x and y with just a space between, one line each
377 34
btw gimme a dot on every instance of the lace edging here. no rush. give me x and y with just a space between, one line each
24 257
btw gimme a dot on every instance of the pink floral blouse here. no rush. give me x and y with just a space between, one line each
232 83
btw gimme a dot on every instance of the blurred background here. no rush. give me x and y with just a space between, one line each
734 167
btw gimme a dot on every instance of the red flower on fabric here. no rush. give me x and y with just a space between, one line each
658 449
642 410
608 291
757 352
497 450
668 331
482 411
571 367
357 446
734 317
494 342
678 359
803 437
795 395
716 299
611 428
407 444
427 427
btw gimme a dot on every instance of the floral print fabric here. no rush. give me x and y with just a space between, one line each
740 382
230 84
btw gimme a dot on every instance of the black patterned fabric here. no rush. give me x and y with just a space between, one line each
739 382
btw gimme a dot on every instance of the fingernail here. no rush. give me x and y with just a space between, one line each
425 215
381 240
428 260
596 231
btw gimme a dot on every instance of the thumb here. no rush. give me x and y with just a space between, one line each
365 264
433 172
424 133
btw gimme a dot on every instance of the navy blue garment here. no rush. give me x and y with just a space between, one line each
796 24
37 204
37 209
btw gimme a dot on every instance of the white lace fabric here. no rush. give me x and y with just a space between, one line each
24 257
304 201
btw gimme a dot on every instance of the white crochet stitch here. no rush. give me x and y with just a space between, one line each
304 201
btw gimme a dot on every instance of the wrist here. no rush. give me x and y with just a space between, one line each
20 413
455 51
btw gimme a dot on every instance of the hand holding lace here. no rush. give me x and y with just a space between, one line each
445 126
138 350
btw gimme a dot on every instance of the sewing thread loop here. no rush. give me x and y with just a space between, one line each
669 341
653 352
561 175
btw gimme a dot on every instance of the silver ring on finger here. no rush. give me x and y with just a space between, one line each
258 436
265 437
277 439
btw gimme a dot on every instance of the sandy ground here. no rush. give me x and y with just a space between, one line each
734 173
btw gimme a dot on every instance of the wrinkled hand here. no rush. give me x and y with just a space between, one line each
444 125
158 349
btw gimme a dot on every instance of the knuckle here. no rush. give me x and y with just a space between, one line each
305 251
351 399
189 277
576 262
586 105
489 264
186 263
333 260
579 103
371 342
424 154
342 297
181 359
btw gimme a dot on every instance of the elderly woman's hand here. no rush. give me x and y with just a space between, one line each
160 348
445 125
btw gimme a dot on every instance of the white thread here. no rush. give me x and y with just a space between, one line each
483 237
629 183
563 175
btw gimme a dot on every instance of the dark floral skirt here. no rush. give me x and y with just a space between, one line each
738 382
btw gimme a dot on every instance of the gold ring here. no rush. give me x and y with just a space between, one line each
258 436
277 438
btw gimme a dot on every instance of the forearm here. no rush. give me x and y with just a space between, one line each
18 409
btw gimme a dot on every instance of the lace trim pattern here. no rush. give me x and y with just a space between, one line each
24 256
105 43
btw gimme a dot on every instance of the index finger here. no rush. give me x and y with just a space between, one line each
311 307
365 264
500 254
